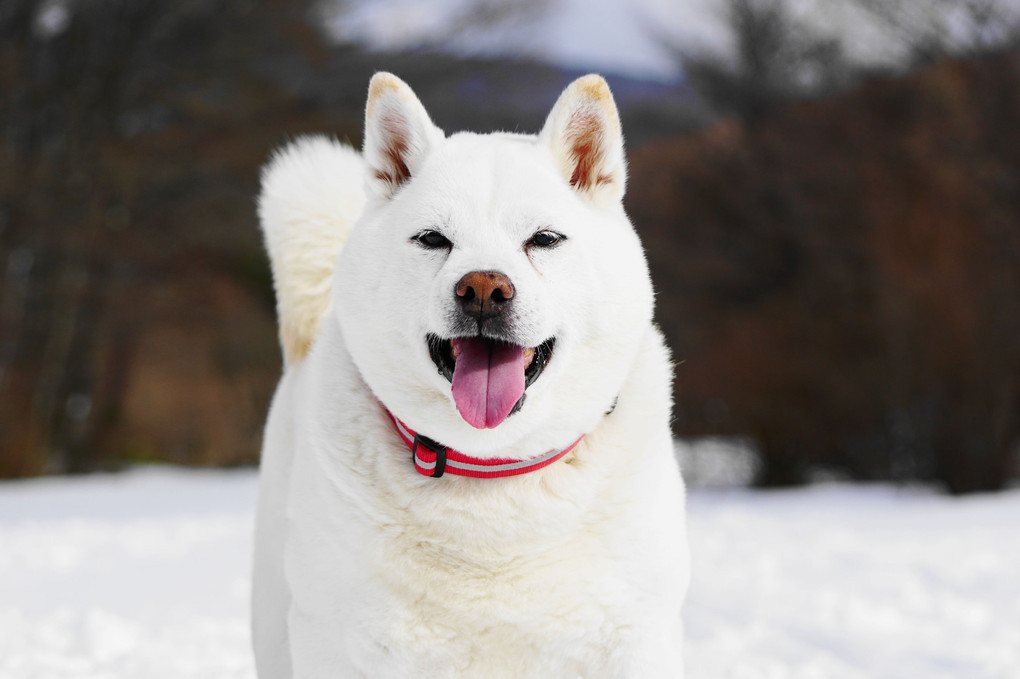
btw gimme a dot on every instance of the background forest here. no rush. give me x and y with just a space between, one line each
830 201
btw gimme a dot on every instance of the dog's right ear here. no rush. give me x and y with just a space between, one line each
398 134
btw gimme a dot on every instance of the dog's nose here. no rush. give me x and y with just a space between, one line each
484 294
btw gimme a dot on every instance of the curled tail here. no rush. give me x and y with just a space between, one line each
312 193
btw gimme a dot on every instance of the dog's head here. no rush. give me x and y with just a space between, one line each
494 289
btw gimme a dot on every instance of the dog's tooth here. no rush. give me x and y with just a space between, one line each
529 355
453 349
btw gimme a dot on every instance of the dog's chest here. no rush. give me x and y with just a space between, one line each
536 578
554 609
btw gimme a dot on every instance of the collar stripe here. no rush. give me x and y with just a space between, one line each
402 430
427 458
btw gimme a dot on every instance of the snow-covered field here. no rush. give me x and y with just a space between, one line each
145 575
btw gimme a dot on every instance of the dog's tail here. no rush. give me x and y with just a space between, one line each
312 193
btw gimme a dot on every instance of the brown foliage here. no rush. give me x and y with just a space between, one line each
842 283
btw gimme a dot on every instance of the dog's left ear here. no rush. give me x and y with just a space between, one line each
583 133
398 134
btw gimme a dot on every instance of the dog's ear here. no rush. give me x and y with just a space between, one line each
398 134
583 133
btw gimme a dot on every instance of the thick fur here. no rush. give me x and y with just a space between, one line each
364 568
305 219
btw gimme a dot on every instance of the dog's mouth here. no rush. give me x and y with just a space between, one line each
488 376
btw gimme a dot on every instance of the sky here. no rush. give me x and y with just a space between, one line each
605 35
626 37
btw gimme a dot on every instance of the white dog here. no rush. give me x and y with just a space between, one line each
468 468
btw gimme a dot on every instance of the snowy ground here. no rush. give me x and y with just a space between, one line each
145 575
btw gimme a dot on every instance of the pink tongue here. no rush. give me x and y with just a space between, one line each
488 380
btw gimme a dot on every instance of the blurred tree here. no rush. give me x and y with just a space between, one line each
774 59
841 281
916 344
81 79
776 54
925 30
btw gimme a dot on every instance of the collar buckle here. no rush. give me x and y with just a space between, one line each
433 446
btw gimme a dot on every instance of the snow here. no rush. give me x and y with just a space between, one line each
838 581
142 574
146 574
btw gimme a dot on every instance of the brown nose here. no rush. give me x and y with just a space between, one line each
484 294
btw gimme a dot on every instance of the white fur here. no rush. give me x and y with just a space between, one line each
364 568
305 219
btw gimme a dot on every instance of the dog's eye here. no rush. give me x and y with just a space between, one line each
545 239
433 240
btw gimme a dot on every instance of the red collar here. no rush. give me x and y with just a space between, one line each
435 459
